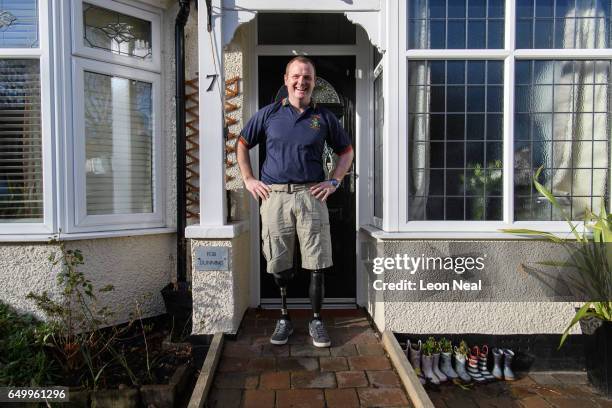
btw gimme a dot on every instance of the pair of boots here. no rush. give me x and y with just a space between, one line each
506 372
436 368
478 364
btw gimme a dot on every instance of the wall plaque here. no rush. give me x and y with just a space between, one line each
210 258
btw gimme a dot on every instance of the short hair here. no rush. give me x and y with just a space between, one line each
303 60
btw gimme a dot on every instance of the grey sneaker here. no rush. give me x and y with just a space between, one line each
281 334
319 335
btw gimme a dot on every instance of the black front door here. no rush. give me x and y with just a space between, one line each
336 91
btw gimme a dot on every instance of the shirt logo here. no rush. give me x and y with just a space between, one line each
315 122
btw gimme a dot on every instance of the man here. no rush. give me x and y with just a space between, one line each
293 188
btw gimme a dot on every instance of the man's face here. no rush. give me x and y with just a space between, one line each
300 82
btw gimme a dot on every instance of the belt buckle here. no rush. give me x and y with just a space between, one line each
289 189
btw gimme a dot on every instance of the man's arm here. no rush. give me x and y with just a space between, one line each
322 190
257 188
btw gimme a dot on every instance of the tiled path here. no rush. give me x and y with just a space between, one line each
536 390
354 372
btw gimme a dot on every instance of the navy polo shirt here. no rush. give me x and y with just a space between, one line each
294 141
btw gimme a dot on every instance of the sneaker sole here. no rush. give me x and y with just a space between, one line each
317 344
281 342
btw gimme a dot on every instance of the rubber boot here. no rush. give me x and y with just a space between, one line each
460 367
472 368
428 370
508 373
483 359
436 368
497 367
447 367
414 356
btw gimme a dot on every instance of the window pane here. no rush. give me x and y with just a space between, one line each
455 153
21 184
456 24
119 145
563 24
115 32
18 23
378 146
304 28
565 127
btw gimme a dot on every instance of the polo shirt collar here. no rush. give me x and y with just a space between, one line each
312 104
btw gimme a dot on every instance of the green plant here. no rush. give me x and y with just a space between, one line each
75 335
590 256
480 183
463 348
23 361
429 347
445 345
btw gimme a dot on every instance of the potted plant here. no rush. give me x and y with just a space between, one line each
591 257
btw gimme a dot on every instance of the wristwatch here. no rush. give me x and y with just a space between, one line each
334 183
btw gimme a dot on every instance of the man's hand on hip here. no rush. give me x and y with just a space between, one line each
322 190
258 189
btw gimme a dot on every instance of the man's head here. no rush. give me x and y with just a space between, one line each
300 76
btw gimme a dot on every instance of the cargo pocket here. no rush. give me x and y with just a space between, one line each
265 243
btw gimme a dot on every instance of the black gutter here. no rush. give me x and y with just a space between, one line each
181 135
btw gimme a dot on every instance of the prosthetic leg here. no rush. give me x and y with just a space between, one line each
282 280
284 327
317 331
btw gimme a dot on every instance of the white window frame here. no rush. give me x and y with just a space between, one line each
80 49
86 223
508 55
376 221
41 53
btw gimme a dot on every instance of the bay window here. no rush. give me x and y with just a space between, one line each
495 89
25 133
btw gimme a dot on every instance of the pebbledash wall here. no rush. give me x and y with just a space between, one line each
138 266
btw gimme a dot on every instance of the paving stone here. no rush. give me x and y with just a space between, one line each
603 403
233 349
351 379
312 379
236 380
346 398
297 364
567 402
261 364
369 363
232 364
346 350
384 379
572 378
274 380
271 350
522 380
496 403
258 399
353 336
351 322
312 398
260 340
307 350
333 364
523 392
544 379
299 339
370 350
547 391
535 402
382 397
224 398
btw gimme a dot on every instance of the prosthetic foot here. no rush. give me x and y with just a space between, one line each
284 328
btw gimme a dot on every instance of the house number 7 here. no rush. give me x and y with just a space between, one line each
213 78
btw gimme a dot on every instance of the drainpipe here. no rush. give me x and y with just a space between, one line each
181 211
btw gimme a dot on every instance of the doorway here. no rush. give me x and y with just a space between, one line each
335 90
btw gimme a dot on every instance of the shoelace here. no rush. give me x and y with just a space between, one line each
320 330
281 326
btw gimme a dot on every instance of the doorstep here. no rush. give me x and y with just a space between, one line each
354 372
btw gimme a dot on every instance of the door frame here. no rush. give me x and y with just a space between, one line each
363 126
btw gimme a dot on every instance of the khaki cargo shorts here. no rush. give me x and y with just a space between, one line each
291 209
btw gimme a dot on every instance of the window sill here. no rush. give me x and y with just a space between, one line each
381 235
85 235
216 231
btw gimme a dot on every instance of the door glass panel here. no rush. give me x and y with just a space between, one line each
285 28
